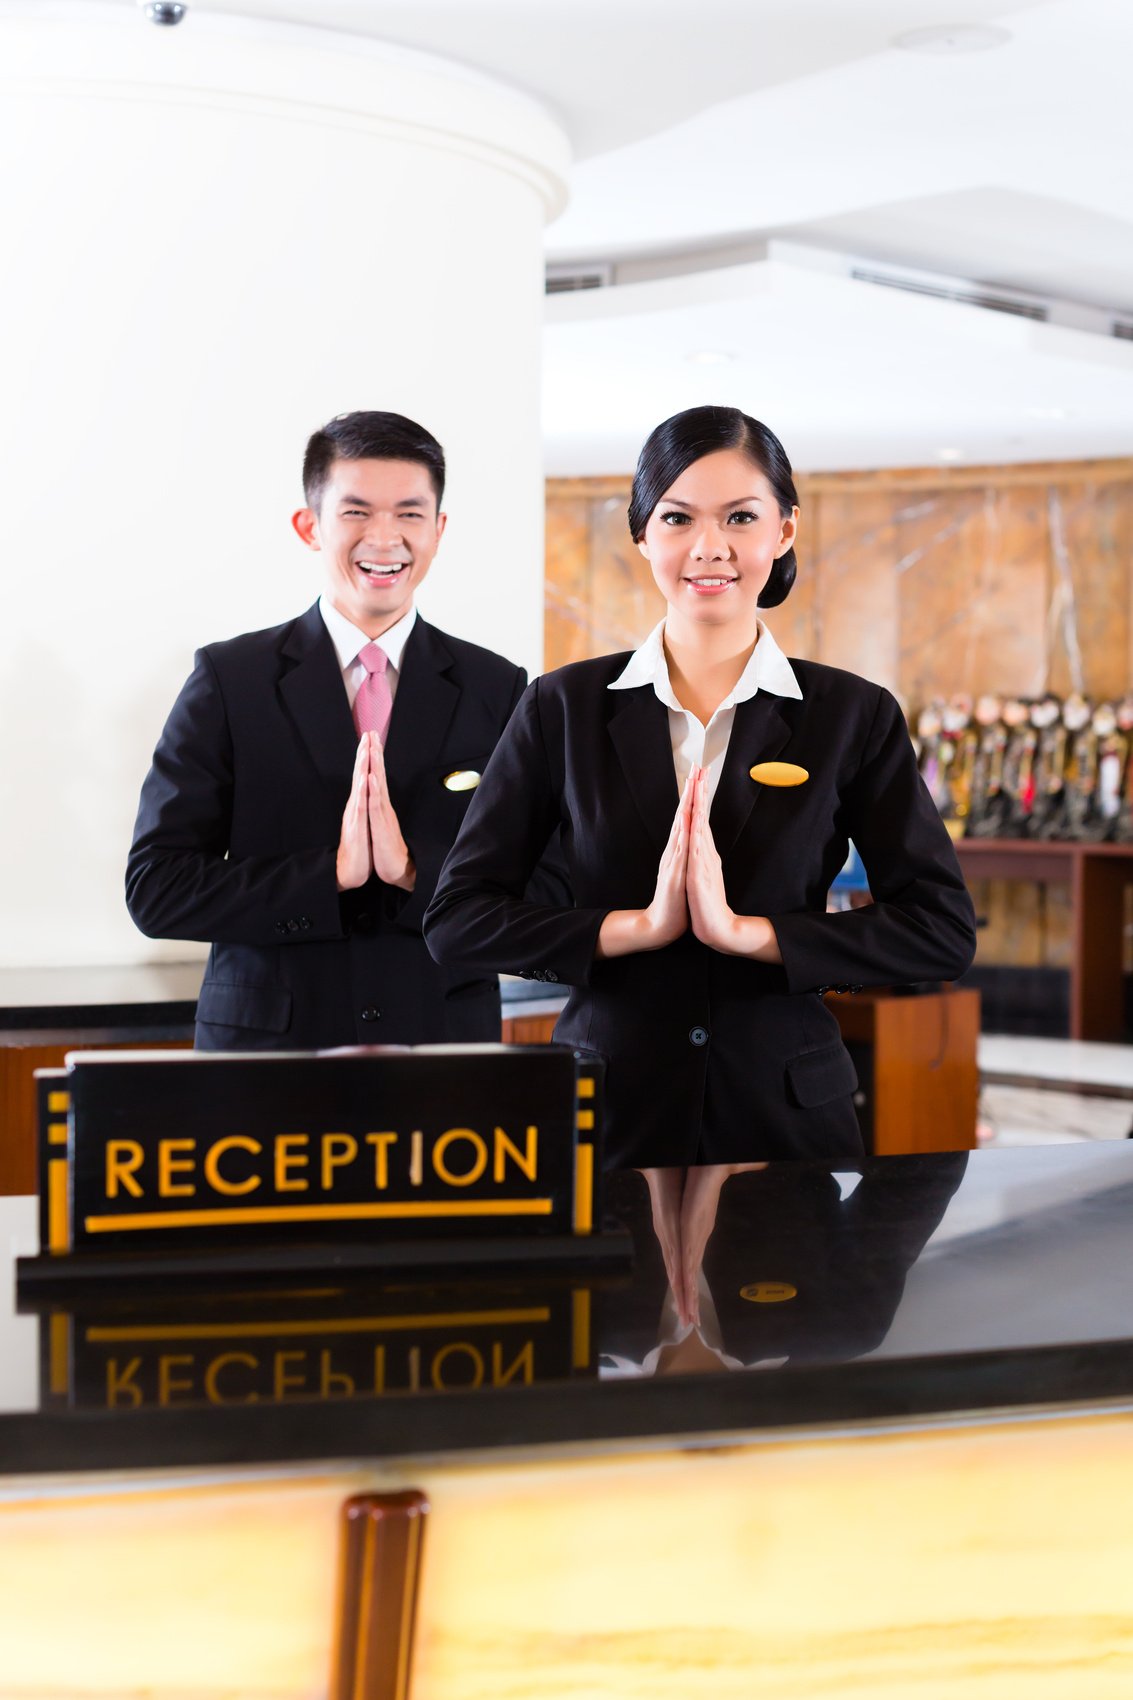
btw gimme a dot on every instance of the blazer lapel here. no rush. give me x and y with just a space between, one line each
315 698
759 732
423 708
640 731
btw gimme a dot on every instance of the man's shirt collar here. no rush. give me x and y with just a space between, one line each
348 640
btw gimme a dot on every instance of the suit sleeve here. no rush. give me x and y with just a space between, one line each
921 924
485 916
181 882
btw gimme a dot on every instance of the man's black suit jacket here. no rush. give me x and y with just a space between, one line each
711 1058
239 824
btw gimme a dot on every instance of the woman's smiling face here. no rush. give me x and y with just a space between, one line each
714 537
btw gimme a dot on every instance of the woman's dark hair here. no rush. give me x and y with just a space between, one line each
689 436
370 436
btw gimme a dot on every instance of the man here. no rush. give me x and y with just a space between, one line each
311 778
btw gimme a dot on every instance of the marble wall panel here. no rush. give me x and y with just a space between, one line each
569 584
1090 586
600 594
856 591
1008 638
971 577
1007 579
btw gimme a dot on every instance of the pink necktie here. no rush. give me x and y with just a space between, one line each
373 703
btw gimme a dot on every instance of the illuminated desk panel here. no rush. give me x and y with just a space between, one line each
895 1458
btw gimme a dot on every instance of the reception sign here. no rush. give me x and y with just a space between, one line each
383 1148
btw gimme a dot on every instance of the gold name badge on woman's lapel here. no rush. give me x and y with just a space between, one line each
461 779
779 773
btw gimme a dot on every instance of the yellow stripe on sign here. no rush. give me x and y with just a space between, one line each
60 1330
580 1332
58 1206
58 1103
417 1210
586 1086
585 1120
57 1133
349 1325
583 1189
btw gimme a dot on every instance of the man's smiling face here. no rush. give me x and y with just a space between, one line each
377 528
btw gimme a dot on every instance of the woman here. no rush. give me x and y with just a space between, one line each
706 789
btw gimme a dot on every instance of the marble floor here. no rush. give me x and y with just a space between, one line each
1051 1092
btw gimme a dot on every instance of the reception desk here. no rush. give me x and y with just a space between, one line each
893 1457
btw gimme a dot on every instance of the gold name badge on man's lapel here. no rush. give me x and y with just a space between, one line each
779 773
462 779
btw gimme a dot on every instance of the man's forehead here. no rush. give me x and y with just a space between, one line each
371 480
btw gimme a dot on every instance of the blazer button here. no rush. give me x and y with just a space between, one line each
698 1036
552 976
292 926
281 926
305 923
371 1015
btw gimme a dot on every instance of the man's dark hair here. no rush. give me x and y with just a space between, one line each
370 436
687 437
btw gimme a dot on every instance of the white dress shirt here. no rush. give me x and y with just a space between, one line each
349 642
695 745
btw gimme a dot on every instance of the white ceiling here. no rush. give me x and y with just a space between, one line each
717 126
617 70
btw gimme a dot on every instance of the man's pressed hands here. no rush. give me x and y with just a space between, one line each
371 840
689 892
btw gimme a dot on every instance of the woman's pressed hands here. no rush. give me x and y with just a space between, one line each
625 931
689 890
714 922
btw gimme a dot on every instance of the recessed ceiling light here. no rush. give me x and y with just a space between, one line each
953 38
709 357
949 454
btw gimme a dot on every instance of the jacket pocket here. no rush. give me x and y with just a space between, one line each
226 1003
815 1077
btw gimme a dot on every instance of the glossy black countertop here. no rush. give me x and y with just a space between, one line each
918 1287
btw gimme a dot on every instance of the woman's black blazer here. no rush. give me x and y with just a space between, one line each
711 1058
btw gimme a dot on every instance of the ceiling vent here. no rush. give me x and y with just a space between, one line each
991 303
560 280
1124 329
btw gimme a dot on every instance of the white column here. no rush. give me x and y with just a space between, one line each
213 238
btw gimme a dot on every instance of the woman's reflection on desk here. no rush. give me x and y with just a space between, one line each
789 1262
